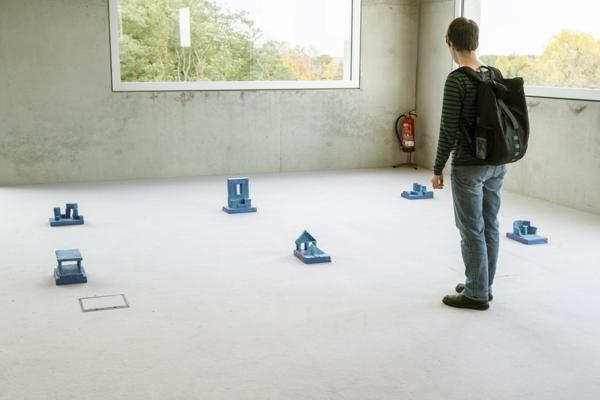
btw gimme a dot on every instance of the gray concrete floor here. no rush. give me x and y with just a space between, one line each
220 309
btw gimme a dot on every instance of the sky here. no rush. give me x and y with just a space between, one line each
527 26
322 25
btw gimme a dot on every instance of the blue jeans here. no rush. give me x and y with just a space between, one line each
476 192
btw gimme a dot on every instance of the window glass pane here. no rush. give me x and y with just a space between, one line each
234 40
552 43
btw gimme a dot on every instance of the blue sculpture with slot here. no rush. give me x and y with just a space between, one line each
65 274
419 192
307 250
524 233
70 217
238 196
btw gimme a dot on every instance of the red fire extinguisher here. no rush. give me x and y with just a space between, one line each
405 130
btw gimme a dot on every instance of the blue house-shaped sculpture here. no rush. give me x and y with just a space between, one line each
238 196
307 250
524 233
419 192
70 217
65 274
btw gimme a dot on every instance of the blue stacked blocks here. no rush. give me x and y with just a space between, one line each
525 233
238 197
307 250
419 192
66 274
70 217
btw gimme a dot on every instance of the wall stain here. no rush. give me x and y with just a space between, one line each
577 108
185 97
27 149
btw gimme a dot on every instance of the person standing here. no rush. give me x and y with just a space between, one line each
475 186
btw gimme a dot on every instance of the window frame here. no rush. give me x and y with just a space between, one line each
543 91
120 86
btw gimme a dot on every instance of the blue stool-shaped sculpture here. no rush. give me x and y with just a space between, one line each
419 192
307 250
65 274
238 197
70 217
524 233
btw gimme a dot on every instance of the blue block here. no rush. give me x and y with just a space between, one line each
238 197
66 221
524 232
70 217
239 210
307 250
65 274
419 192
310 259
70 274
68 255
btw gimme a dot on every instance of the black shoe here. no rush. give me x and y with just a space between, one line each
460 301
461 286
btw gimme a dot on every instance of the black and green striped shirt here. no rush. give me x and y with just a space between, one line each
459 112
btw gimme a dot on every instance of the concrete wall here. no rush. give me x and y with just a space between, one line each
434 64
562 164
60 122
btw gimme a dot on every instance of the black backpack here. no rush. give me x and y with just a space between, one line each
501 131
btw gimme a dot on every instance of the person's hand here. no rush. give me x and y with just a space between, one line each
438 181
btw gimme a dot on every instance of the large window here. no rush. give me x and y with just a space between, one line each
553 44
234 44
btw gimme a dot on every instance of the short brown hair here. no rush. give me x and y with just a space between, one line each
463 34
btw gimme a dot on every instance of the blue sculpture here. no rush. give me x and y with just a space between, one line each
419 192
238 196
70 217
65 274
523 232
307 250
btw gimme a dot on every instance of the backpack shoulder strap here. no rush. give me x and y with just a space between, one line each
470 73
497 73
